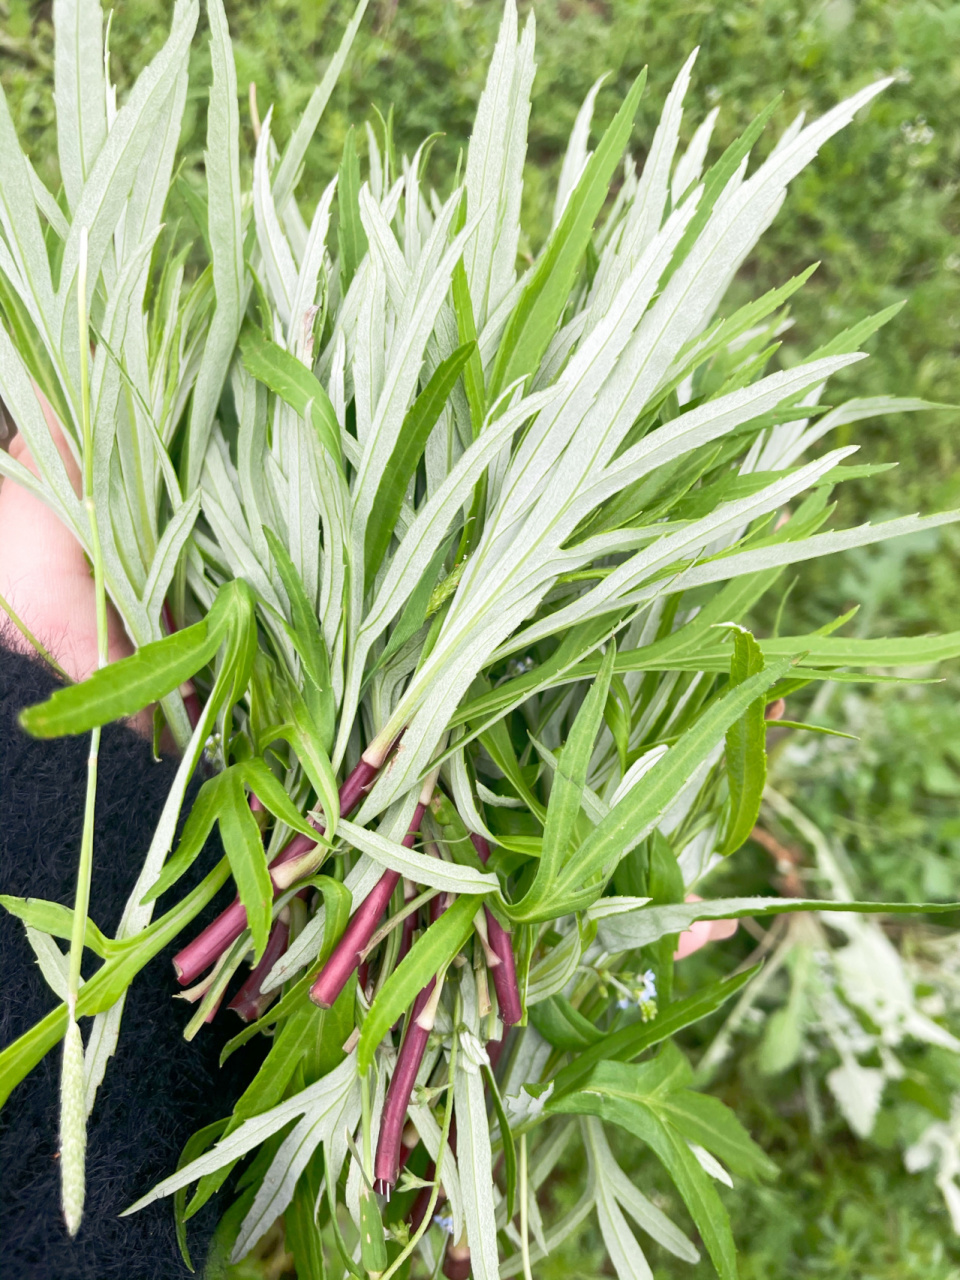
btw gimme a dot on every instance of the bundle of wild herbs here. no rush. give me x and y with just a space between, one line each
457 557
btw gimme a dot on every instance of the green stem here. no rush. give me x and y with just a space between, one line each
73 1126
85 870
524 1211
31 639
366 1121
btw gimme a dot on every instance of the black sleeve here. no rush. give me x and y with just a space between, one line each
158 1088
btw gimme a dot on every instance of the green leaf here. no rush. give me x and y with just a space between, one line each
307 638
373 1246
706 1121
568 663
664 884
272 795
126 687
415 610
109 982
852 339
195 1146
547 290
900 651
351 236
631 1041
419 421
300 732
617 717
496 741
817 728
430 954
300 1223
266 1089
31 348
217 795
633 929
670 1147
449 877
57 920
288 171
566 796
506 1135
635 815
293 382
224 236
467 330
200 822
562 1025
714 183
638 1099
248 862
746 748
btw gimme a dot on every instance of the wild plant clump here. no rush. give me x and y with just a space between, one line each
457 551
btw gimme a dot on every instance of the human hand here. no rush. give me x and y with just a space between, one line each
44 574
701 932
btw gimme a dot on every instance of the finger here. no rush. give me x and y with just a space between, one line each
44 573
701 932
697 936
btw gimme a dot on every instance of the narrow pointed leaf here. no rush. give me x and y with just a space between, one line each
544 296
420 420
427 957
293 383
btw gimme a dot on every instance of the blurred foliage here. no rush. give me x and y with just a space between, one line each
881 210
837 1212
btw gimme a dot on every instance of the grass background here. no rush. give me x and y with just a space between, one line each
880 209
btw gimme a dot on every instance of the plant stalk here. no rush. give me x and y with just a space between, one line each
250 1003
227 927
348 952
386 1167
72 1106
505 973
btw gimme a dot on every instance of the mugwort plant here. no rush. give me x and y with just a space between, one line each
459 551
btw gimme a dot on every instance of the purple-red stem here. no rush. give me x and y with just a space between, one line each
409 926
386 1165
360 929
199 954
505 973
456 1260
250 1002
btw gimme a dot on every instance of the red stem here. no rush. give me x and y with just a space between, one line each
199 954
456 1260
360 929
505 973
386 1165
409 926
250 1002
